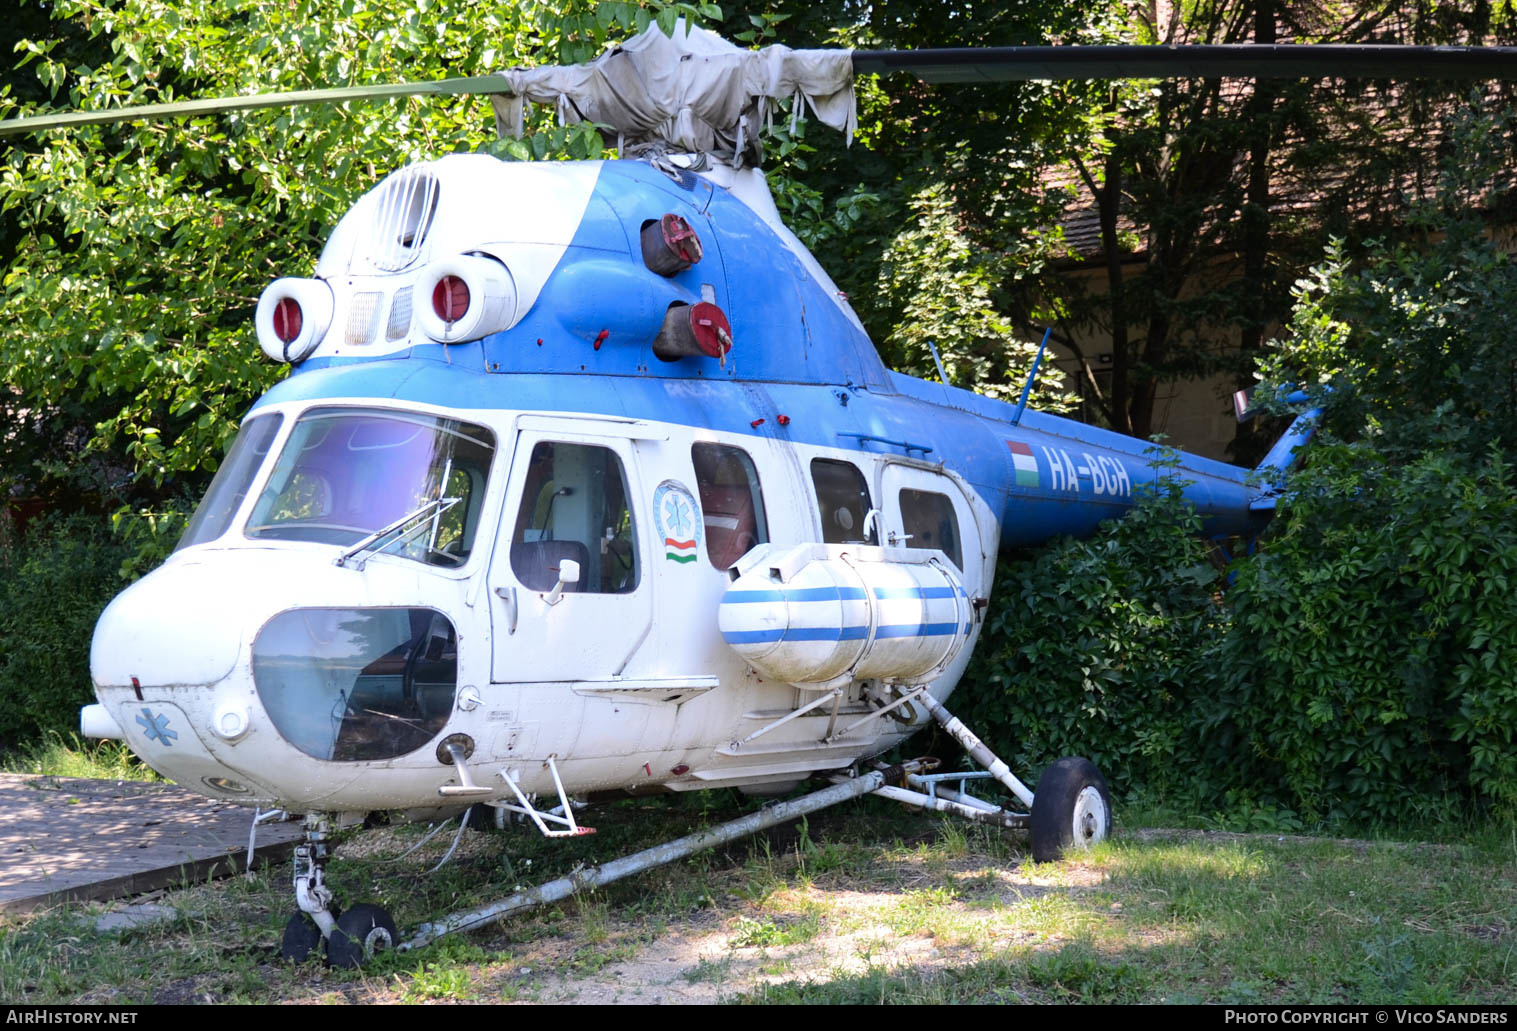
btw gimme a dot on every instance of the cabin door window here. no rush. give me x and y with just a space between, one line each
926 509
928 521
574 506
570 596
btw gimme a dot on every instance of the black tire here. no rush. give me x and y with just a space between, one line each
361 933
301 936
1071 809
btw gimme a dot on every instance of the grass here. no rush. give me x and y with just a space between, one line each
862 904
56 756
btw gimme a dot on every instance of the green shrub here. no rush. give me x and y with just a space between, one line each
1368 667
53 585
1099 648
1358 668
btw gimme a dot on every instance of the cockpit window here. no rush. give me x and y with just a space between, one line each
232 481
356 684
347 473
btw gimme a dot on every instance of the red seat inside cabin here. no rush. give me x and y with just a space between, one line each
731 530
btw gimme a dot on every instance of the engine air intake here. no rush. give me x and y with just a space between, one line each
292 318
470 296
694 331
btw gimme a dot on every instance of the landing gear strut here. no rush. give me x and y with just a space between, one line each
351 937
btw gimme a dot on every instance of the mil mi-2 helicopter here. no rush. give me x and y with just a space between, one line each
587 478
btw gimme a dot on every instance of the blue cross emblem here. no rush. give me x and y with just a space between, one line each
674 511
157 728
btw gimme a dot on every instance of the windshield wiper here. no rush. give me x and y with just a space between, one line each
433 509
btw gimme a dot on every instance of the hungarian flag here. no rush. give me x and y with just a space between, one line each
1026 465
679 551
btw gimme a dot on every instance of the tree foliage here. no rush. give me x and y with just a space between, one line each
1231 187
1358 664
1100 648
141 249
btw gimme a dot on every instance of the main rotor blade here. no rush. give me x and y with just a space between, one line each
958 65
1239 60
481 84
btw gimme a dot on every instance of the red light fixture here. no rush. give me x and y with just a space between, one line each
670 246
450 299
287 319
293 317
693 331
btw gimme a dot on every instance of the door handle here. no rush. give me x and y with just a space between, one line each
508 595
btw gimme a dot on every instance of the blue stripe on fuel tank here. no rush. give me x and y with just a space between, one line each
805 633
915 630
915 592
796 594
847 633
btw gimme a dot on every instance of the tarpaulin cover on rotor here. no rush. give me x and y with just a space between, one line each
694 93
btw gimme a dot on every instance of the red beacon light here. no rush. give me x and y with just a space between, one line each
287 319
292 318
473 295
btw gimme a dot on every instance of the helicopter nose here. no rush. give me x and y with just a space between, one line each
176 626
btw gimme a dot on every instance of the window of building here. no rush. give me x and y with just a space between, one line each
732 503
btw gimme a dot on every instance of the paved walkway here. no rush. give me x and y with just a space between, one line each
63 838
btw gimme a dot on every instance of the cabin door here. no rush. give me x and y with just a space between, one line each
926 509
570 506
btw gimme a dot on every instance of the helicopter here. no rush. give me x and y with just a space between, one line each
587 478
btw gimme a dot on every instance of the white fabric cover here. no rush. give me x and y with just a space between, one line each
694 93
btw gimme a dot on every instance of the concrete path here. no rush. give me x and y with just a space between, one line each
67 839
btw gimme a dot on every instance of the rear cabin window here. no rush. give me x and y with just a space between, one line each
844 499
732 503
929 522
574 506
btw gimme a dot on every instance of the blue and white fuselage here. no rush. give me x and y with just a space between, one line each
484 522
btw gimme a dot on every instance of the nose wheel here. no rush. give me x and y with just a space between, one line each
352 937
301 936
362 933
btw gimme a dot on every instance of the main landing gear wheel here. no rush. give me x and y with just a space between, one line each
301 936
361 933
1071 809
